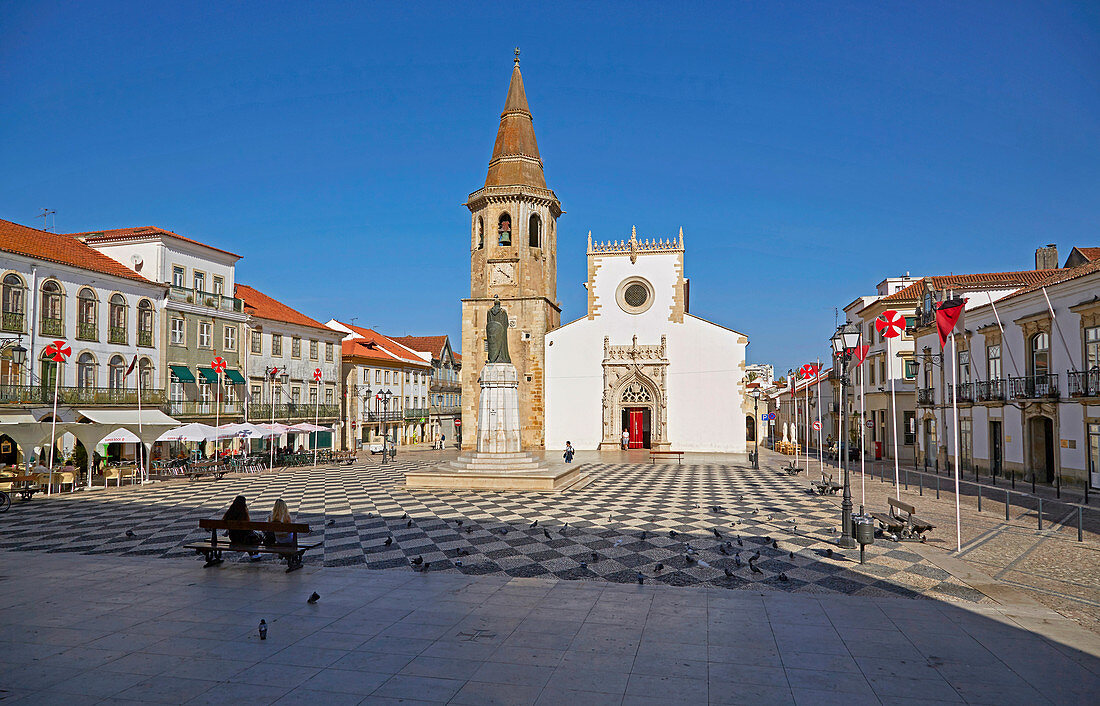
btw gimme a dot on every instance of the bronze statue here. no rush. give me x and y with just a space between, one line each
496 333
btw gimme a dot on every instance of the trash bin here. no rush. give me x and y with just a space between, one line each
863 529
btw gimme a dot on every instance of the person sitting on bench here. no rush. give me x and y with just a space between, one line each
279 513
238 511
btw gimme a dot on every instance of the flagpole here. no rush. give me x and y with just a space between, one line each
893 416
955 410
1054 319
53 423
806 423
316 412
862 424
1002 329
820 456
141 430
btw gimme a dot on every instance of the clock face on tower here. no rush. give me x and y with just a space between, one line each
502 273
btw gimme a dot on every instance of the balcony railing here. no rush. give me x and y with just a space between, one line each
87 331
1034 386
210 299
52 327
439 411
393 415
13 321
1085 383
926 396
992 390
145 338
91 396
963 393
415 412
259 412
116 334
200 408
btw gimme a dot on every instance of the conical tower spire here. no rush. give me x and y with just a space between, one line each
515 159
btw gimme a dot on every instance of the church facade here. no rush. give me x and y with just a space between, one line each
513 256
639 362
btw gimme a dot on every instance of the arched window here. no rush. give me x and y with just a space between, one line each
48 371
13 303
85 370
534 231
145 373
504 230
145 323
87 315
117 320
53 309
117 373
480 232
1040 353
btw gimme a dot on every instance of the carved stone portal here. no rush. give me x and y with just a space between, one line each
635 376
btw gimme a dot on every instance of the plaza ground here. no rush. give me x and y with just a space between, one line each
88 614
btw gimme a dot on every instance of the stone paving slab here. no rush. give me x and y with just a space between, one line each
79 628
658 522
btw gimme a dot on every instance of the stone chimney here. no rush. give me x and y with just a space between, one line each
1046 258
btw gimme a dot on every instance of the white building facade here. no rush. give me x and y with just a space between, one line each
639 362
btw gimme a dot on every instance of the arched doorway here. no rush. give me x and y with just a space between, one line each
1041 432
750 428
9 451
637 414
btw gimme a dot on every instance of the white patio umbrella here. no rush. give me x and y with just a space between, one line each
307 427
190 432
247 431
120 436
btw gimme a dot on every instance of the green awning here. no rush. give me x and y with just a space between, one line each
235 377
182 373
209 375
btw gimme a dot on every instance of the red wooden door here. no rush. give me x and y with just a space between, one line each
636 417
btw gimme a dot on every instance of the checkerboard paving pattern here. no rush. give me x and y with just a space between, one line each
657 521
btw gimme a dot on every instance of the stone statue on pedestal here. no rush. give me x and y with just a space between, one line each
496 334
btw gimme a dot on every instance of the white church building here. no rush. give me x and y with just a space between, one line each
639 361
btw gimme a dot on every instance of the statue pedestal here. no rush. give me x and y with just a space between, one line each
498 463
498 410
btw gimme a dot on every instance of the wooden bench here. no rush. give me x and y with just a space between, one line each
654 455
826 486
196 471
792 469
213 549
900 527
23 486
345 457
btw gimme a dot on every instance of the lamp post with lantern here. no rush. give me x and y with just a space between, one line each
284 378
844 342
756 428
18 356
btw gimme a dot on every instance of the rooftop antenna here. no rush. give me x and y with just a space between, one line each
45 216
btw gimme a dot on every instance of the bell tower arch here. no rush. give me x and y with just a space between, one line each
513 255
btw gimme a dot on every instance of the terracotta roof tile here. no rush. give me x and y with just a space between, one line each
60 248
375 346
515 157
915 291
1057 277
262 306
1089 253
424 344
116 234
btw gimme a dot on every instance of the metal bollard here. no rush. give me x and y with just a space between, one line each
907 478
1006 504
1040 513
979 497
920 481
1080 526
937 486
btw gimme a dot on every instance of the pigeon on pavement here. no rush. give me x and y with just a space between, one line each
417 561
389 541
314 598
716 532
129 533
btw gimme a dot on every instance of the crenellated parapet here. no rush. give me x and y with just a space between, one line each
634 247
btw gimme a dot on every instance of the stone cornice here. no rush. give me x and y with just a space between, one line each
503 194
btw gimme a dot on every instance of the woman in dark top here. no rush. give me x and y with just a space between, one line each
238 510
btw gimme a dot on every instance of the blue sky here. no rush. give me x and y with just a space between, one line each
808 149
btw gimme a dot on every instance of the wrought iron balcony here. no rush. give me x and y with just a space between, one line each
926 396
1085 383
12 321
144 338
210 299
260 412
415 412
992 390
963 393
444 410
393 415
88 396
116 334
1043 386
87 331
200 408
52 327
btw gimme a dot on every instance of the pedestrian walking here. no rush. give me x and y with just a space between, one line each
442 441
568 455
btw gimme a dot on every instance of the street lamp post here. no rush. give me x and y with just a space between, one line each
756 428
844 342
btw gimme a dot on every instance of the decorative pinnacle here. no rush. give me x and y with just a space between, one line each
517 56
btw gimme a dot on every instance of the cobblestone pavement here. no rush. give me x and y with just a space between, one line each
1050 566
83 628
726 526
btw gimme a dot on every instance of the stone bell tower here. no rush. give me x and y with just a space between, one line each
513 255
